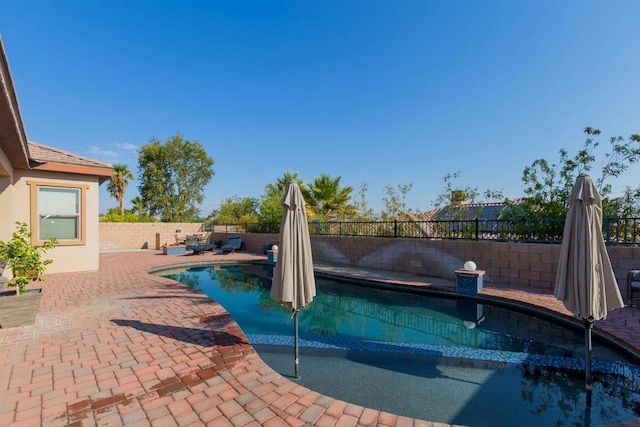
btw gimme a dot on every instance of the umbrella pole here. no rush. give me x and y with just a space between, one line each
295 345
588 326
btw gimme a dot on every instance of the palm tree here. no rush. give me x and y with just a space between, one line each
280 186
137 206
118 183
325 196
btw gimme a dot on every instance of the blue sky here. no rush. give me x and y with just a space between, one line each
378 92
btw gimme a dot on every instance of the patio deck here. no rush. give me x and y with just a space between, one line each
122 347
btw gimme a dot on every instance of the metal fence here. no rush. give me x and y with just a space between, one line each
616 231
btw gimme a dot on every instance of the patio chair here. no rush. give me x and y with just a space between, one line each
633 286
233 244
194 243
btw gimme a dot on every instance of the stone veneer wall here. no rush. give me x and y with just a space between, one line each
523 264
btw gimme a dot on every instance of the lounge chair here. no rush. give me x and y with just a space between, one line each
194 243
233 244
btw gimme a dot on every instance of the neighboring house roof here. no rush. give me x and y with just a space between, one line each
457 213
44 157
467 211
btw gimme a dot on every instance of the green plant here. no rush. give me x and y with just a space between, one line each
24 258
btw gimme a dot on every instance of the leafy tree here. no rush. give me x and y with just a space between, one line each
113 215
120 176
236 210
625 206
547 186
453 190
325 197
173 176
361 207
270 211
269 208
395 202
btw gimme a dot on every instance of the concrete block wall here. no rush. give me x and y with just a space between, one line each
531 265
116 236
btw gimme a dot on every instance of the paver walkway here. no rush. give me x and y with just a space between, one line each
122 347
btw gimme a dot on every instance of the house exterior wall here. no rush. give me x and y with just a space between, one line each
9 211
5 165
83 257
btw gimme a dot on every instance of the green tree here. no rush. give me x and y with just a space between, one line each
138 207
361 206
269 208
625 206
394 200
24 258
120 176
325 197
454 192
280 185
113 215
173 176
270 211
547 186
236 210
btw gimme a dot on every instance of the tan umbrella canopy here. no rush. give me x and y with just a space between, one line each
294 284
585 281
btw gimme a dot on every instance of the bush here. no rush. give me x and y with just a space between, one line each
25 258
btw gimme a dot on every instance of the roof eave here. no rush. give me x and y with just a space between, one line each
13 139
103 173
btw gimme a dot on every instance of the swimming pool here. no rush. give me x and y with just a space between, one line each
428 357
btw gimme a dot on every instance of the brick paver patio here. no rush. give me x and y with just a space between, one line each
122 347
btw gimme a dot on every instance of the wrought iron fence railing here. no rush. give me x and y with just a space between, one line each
616 231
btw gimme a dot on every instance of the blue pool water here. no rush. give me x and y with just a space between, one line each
428 357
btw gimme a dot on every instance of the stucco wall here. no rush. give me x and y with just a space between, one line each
15 203
9 211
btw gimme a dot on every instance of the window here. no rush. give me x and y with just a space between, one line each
58 211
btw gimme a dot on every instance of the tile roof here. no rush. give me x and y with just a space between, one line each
45 154
467 211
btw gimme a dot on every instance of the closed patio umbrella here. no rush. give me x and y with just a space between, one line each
294 284
585 281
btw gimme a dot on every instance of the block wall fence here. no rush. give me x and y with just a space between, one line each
531 265
119 236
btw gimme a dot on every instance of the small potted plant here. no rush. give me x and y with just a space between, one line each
24 258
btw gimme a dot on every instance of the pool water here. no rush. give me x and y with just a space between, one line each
441 359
